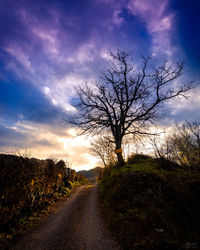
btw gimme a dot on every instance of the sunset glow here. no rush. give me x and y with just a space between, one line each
49 47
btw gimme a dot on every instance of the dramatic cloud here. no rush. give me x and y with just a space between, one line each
159 23
48 47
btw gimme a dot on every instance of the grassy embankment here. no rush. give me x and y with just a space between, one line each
150 204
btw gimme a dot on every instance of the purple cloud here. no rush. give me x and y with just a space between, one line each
159 23
47 47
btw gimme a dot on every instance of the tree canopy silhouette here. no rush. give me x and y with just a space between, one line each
127 99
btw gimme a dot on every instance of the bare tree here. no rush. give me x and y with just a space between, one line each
133 144
127 100
22 152
181 145
164 148
186 139
103 149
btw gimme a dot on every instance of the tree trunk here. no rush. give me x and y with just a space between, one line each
120 159
118 151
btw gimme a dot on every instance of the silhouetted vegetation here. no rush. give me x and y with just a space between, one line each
152 204
181 145
103 149
28 186
127 99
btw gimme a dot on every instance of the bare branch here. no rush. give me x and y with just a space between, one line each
127 100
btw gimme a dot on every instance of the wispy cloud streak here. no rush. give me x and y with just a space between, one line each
158 21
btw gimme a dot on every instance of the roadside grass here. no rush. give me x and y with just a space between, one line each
152 204
27 220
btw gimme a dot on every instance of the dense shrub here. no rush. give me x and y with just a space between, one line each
27 184
135 158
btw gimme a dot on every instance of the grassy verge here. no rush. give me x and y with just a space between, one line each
27 220
150 204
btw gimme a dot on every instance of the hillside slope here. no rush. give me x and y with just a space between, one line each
152 205
91 173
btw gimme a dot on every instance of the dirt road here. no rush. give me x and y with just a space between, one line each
75 225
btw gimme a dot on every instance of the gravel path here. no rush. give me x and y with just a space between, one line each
75 225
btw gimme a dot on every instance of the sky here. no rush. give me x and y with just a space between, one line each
49 46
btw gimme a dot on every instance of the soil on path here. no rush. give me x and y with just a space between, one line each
75 225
